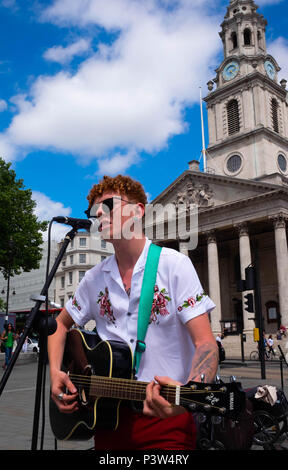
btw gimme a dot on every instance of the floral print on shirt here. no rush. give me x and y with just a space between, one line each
105 306
191 301
75 303
160 300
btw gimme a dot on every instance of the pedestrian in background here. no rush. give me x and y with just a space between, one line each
8 338
270 344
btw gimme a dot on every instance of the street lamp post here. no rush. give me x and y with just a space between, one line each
7 299
8 282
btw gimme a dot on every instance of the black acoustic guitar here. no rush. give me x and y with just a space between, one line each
102 373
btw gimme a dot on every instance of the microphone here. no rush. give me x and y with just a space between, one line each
75 223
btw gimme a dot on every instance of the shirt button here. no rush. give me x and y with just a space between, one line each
131 340
129 314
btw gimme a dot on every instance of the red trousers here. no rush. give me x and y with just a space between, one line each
139 432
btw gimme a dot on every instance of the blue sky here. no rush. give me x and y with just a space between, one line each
93 87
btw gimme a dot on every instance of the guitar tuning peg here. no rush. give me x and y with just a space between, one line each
192 406
216 419
232 378
201 418
202 378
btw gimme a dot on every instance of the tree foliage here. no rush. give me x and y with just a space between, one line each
2 305
21 237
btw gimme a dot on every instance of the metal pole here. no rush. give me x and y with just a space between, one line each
203 136
242 348
7 297
258 312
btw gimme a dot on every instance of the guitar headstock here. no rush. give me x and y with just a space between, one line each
222 399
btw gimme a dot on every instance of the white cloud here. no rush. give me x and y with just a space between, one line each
64 55
130 94
7 148
279 50
117 164
3 105
46 209
9 4
149 197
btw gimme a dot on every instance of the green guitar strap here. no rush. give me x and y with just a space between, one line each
145 303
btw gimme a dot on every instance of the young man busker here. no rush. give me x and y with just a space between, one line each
179 342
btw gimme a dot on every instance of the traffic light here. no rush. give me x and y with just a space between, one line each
249 304
250 278
249 282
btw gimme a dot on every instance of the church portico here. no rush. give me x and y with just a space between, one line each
228 235
233 249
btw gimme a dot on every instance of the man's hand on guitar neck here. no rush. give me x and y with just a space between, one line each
155 405
60 385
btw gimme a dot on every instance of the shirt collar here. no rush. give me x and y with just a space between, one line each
111 264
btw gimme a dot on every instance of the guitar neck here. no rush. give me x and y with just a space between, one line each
224 399
123 389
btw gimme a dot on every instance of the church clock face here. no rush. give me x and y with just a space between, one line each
270 69
230 70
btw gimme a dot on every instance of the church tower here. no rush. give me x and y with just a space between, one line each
247 106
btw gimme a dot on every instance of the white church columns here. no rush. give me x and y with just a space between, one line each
214 280
245 261
272 288
213 277
279 222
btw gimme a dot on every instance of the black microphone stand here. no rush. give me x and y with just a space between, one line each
45 326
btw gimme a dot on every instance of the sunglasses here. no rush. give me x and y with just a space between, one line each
107 206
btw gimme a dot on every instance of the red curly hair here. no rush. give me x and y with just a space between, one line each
123 185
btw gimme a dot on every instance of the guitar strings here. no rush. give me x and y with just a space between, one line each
118 385
113 381
184 401
129 382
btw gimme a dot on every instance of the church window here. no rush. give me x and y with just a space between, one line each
233 117
234 40
247 37
282 162
234 163
274 113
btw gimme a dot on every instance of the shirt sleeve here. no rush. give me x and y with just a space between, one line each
190 298
78 305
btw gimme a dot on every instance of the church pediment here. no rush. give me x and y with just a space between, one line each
206 190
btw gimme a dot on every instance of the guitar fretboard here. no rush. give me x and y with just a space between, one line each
124 389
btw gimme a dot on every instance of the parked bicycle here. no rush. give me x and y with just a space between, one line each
269 355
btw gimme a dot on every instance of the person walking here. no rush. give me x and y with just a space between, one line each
8 339
270 343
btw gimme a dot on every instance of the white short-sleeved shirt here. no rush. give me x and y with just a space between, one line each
178 298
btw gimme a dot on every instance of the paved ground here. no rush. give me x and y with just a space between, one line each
17 413
18 399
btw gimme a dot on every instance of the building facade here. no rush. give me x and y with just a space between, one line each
242 197
29 284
